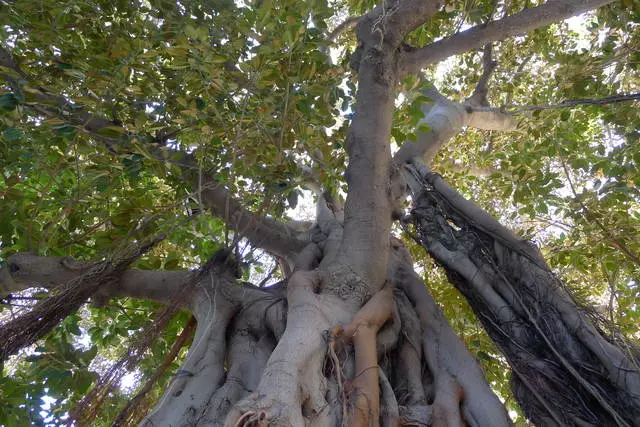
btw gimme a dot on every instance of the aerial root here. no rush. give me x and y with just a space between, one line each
337 368
253 419
362 331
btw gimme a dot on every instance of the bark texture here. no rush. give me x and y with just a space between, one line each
352 336
565 369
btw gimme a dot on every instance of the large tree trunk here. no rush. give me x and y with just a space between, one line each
565 369
353 337
249 364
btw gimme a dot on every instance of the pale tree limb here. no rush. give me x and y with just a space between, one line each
478 36
481 91
25 270
452 366
443 121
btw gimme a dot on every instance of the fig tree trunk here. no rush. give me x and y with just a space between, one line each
352 336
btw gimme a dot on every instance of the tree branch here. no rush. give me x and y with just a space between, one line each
479 96
514 109
345 25
26 270
365 243
263 232
443 121
480 35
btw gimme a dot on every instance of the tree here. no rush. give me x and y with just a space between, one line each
151 150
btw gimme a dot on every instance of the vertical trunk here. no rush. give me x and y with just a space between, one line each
246 369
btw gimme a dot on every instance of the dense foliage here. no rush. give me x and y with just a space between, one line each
255 90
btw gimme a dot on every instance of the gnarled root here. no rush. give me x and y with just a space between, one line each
412 370
292 389
362 330
203 369
252 338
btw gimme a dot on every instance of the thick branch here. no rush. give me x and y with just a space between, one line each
479 96
480 35
443 121
263 232
365 243
33 325
26 270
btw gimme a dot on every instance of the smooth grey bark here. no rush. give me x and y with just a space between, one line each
444 119
25 270
355 258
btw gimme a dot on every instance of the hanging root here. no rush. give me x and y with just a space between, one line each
30 327
362 331
129 415
555 347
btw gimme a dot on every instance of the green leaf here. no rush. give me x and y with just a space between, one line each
12 134
8 101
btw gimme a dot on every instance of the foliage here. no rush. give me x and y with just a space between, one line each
253 90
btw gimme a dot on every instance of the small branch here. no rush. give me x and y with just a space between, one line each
589 216
478 36
479 96
346 25
514 109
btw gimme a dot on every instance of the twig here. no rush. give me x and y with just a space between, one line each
347 24
513 109
615 242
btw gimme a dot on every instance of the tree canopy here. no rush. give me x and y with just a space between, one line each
124 120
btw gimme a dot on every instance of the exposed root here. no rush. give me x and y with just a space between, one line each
453 375
311 378
337 369
292 388
362 331
389 411
251 342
